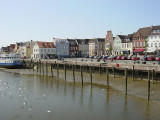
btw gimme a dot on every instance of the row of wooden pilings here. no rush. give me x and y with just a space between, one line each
40 68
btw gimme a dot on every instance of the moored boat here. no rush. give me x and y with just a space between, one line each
10 60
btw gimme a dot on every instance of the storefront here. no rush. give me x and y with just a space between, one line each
138 51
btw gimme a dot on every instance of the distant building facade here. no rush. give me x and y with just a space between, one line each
62 47
44 50
96 47
118 44
109 43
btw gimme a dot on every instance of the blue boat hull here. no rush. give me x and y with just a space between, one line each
10 65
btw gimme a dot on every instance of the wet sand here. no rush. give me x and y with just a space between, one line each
137 87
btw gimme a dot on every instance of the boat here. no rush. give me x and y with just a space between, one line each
10 60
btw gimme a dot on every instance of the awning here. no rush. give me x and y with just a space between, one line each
151 50
138 50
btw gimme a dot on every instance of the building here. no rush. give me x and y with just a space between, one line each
154 41
62 47
12 48
4 50
44 50
127 46
83 47
73 47
96 47
117 45
109 43
140 39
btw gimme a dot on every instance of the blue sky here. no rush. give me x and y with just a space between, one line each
25 20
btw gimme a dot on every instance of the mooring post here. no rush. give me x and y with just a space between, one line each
46 68
107 78
126 79
90 68
113 69
40 66
37 66
73 73
43 68
133 72
52 69
152 76
100 69
81 74
33 66
58 70
148 85
65 70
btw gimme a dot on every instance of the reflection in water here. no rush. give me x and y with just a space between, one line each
36 97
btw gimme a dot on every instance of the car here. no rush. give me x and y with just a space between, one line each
129 57
157 58
119 57
135 58
150 58
123 58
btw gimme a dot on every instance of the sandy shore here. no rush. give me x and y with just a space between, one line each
137 87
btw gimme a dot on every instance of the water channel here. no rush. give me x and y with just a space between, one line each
35 97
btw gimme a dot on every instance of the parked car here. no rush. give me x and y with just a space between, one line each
151 58
157 58
129 57
135 58
119 57
123 58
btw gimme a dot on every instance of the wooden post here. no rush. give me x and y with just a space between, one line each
81 74
126 80
107 78
52 69
37 66
46 69
152 76
113 72
148 85
133 73
33 66
40 66
100 69
57 70
65 70
43 68
73 73
90 68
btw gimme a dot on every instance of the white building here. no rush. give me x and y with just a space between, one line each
154 40
42 50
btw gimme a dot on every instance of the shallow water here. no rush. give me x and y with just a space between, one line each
33 97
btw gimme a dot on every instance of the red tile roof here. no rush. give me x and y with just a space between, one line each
46 44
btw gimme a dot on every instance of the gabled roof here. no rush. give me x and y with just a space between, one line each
128 37
97 40
122 37
143 32
72 41
82 41
46 44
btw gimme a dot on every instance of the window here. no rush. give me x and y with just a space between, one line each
140 44
143 44
137 44
155 44
151 44
134 44
159 44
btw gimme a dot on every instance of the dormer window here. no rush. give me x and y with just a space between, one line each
43 44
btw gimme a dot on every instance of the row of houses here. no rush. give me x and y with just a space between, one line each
145 40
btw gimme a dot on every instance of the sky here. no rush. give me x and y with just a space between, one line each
41 20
